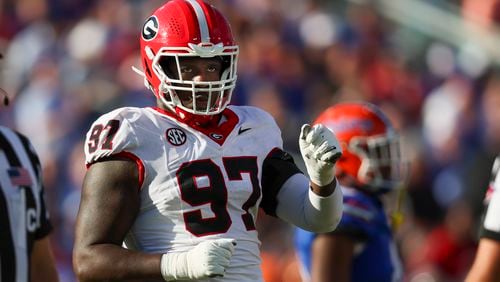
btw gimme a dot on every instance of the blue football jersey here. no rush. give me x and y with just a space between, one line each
364 219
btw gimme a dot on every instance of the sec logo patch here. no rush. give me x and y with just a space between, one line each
175 136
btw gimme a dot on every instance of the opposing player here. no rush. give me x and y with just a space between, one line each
486 265
172 192
362 247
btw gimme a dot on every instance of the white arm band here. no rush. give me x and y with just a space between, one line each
300 206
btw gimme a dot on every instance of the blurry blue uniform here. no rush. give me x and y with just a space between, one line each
364 220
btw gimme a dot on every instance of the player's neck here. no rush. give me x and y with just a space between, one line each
204 121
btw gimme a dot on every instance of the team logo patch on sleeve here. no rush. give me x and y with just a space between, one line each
175 136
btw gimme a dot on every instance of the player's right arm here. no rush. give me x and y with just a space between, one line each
108 208
109 205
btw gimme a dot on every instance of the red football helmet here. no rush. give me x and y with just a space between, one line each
188 28
371 156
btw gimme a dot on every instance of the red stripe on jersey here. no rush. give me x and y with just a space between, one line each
138 162
223 129
126 155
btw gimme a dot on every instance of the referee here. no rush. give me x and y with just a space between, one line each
25 253
486 265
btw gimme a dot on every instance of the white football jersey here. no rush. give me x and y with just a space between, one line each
196 183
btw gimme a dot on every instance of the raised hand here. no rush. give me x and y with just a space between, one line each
320 150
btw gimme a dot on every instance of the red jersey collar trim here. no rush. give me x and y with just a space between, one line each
217 133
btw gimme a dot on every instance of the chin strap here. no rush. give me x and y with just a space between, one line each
138 71
143 75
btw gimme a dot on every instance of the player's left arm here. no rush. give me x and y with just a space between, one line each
313 204
299 205
320 151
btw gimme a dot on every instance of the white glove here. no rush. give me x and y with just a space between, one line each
208 259
320 150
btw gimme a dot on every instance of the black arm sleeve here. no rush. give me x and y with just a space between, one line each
278 167
485 233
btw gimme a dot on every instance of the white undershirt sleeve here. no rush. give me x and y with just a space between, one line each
300 206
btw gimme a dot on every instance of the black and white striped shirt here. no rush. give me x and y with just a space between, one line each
23 214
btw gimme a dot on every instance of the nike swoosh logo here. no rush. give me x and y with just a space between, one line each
241 130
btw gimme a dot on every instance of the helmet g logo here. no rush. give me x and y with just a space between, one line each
150 28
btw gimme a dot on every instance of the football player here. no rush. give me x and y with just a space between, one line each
172 192
486 265
362 247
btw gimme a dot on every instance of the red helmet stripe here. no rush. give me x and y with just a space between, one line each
202 20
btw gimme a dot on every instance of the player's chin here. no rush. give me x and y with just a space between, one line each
204 105
201 106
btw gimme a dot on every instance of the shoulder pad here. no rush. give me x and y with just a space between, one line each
110 134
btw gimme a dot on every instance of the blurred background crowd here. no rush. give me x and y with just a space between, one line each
432 65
